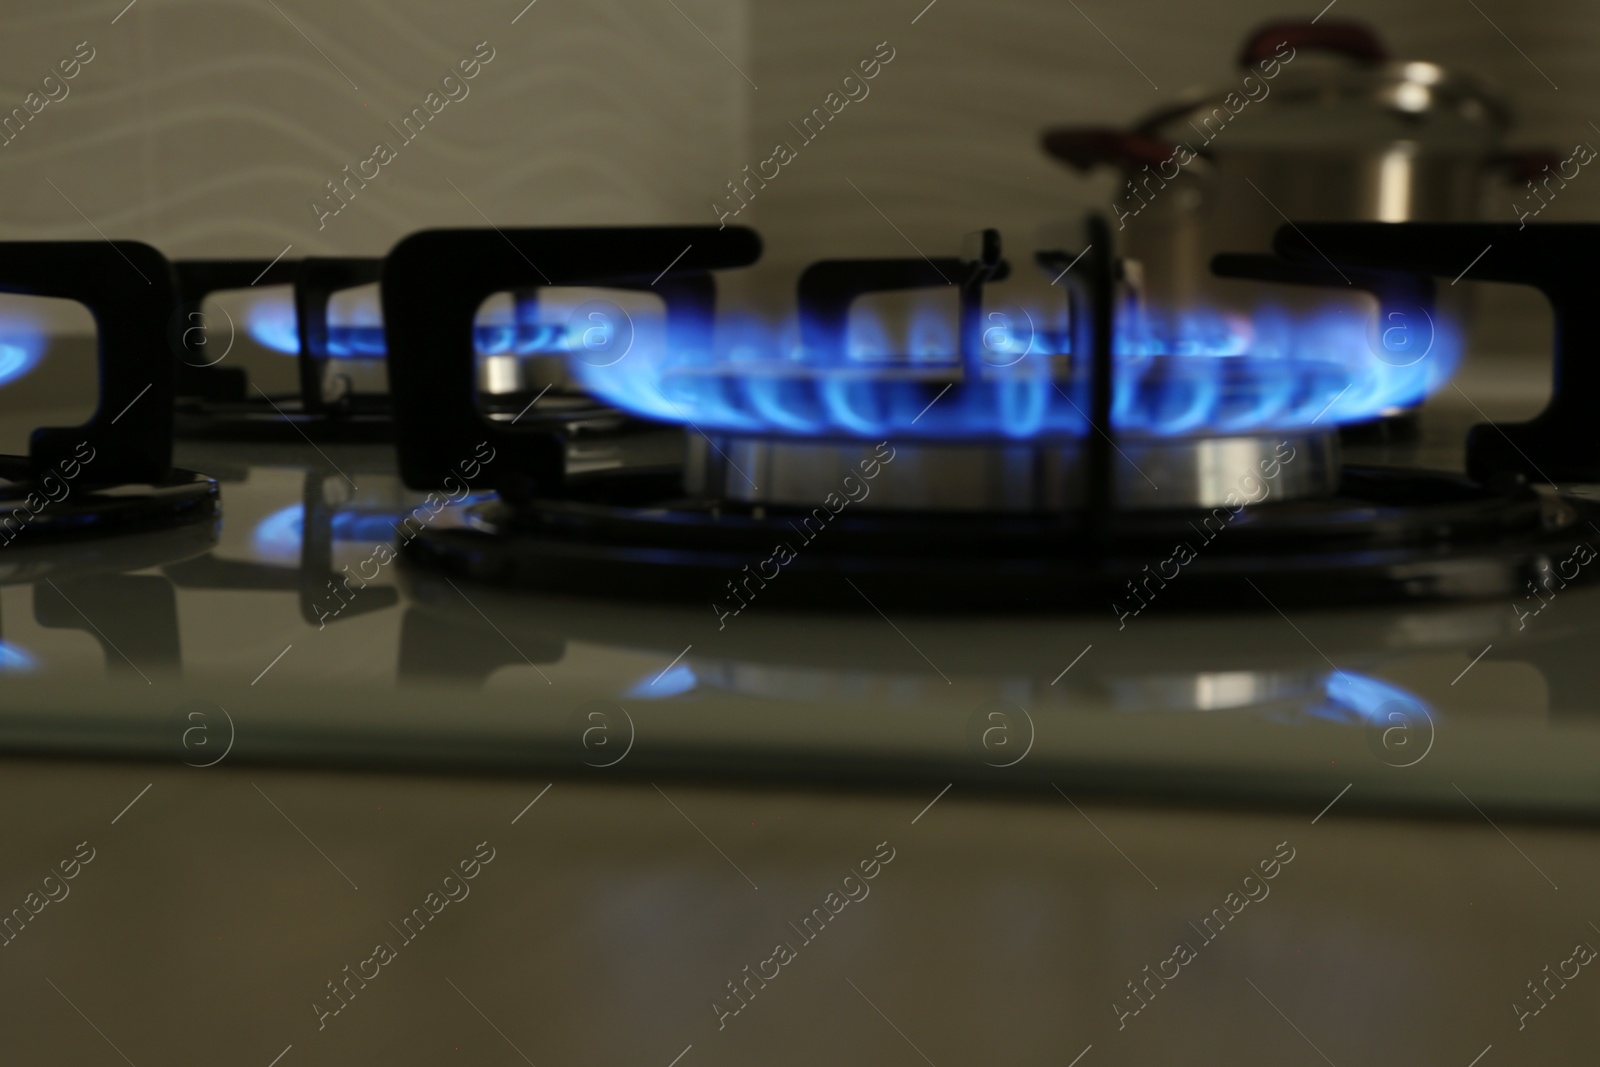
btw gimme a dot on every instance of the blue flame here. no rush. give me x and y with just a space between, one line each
1199 372
1369 699
278 536
14 659
672 682
1202 372
22 344
272 324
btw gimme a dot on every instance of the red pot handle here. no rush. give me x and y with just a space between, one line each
1353 39
1086 147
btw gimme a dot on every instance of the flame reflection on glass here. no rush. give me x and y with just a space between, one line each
277 537
1368 699
674 681
14 659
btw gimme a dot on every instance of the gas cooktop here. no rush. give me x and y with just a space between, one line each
924 569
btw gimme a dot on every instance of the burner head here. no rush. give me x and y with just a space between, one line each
1037 476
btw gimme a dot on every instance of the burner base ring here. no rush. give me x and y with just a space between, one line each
35 515
1011 477
1387 536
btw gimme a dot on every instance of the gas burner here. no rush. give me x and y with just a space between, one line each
199 377
948 512
994 445
342 390
1009 416
113 474
1032 477
221 403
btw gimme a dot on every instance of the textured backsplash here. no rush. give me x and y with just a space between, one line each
209 128
213 128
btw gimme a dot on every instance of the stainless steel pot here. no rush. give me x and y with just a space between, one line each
1320 125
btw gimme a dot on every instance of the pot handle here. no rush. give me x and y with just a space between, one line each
1085 147
1353 39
